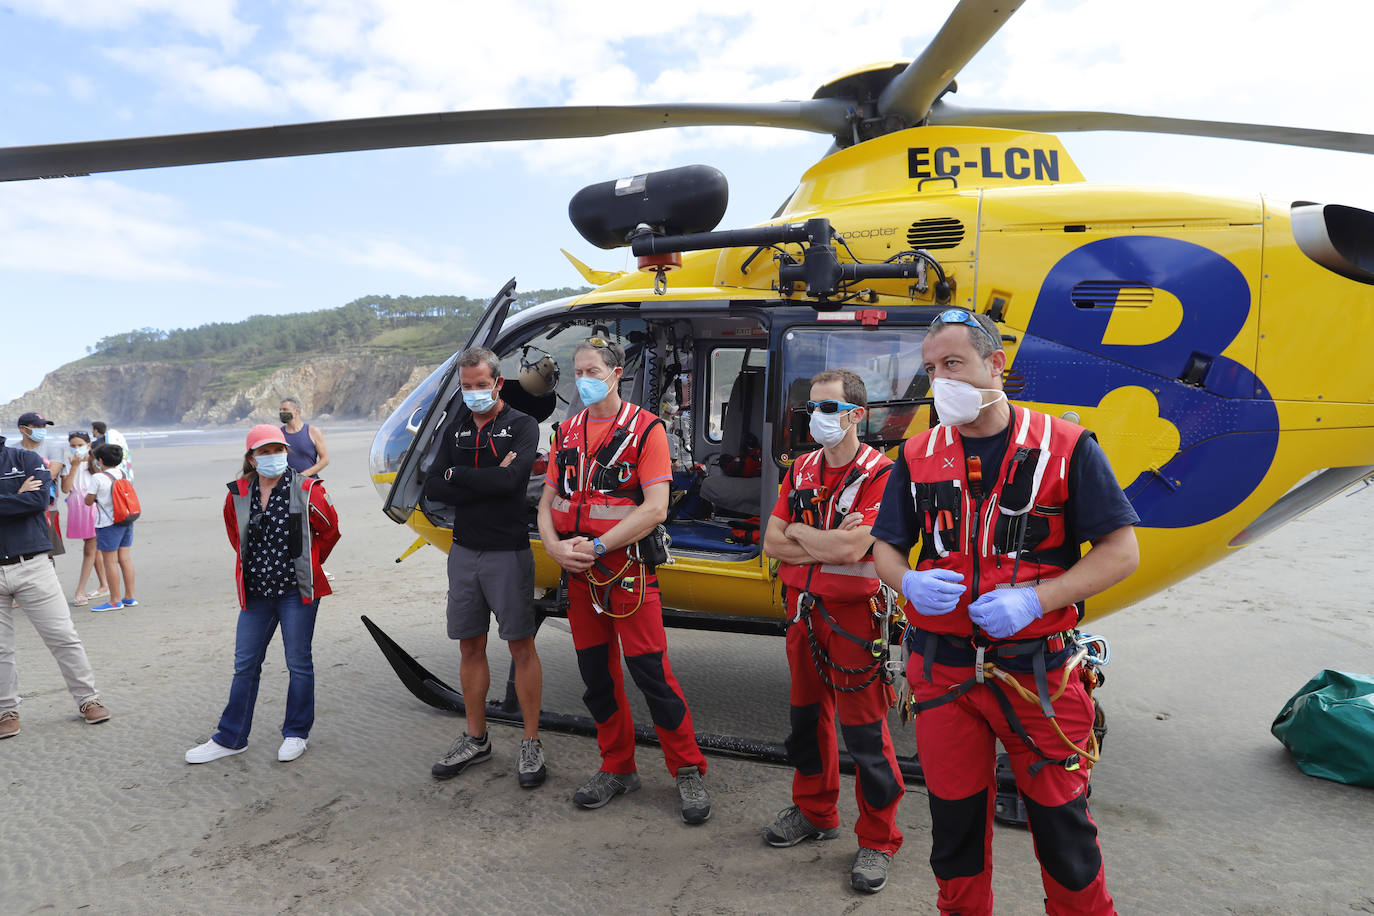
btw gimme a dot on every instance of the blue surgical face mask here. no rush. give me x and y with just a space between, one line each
592 390
38 433
272 465
81 451
480 400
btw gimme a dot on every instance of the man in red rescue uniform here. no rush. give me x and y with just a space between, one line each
606 488
1001 498
820 530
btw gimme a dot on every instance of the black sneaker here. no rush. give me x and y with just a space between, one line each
466 751
869 873
696 801
531 770
790 827
603 787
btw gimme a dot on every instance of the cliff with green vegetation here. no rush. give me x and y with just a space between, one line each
355 361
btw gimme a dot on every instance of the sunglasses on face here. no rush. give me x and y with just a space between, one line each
959 316
831 406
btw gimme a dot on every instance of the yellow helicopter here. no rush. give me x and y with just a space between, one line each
1199 336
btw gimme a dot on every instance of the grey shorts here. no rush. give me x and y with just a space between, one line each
486 582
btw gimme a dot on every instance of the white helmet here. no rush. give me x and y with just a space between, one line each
538 377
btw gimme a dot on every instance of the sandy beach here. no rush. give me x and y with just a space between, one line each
1200 809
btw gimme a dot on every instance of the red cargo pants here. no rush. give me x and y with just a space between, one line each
812 748
599 640
956 743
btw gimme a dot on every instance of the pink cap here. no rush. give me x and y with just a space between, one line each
264 434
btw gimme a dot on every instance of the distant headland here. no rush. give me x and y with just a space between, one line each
356 361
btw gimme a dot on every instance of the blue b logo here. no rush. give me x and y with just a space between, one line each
1228 426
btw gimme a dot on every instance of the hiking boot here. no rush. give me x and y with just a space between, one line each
466 751
531 771
869 873
696 801
9 723
94 712
790 827
603 787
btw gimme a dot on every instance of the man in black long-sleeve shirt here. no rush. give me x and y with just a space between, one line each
29 583
482 469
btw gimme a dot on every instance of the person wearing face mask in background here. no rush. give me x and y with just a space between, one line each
282 526
820 531
482 470
33 436
1001 499
606 489
306 452
81 517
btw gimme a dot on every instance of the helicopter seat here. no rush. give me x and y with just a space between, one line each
732 480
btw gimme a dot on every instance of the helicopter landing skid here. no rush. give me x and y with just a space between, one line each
432 691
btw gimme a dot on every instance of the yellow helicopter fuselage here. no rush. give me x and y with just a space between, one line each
1198 337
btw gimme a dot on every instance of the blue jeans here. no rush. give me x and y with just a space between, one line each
257 622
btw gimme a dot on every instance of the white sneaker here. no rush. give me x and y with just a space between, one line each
290 749
204 753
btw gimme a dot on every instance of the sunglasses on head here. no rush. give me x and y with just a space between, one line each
959 316
830 406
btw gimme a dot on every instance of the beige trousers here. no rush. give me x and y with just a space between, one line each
33 584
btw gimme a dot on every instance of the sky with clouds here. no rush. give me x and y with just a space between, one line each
85 257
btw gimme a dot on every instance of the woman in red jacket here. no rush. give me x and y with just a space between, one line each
282 528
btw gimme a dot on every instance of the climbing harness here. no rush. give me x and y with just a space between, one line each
886 614
1069 652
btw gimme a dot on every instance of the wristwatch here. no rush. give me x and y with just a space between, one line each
598 548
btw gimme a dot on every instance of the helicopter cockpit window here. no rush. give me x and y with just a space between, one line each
888 359
726 364
541 368
392 440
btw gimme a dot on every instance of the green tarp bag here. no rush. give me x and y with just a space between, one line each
1328 726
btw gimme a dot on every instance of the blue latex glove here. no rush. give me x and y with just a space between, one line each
932 591
1005 611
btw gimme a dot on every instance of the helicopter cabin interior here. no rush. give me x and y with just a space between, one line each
730 382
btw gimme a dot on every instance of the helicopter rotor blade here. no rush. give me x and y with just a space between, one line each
56 160
1066 121
970 26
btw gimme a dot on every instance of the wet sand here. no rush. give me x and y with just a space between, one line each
1201 810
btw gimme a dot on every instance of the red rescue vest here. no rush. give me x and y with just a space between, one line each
596 491
810 504
1007 530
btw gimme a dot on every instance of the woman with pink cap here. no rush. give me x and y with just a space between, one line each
282 528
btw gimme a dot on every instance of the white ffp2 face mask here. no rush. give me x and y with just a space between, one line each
959 403
827 429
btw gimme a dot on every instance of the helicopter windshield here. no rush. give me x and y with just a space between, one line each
390 444
888 359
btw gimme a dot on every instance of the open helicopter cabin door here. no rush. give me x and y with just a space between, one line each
410 433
